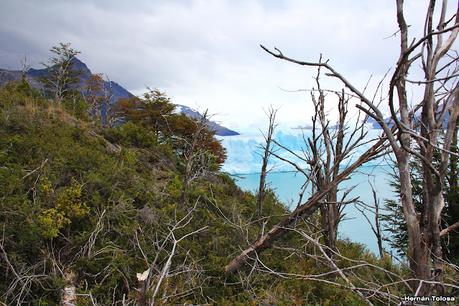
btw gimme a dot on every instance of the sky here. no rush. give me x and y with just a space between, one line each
206 54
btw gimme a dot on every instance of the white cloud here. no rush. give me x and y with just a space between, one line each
205 53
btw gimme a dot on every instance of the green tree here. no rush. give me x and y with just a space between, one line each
395 223
156 111
152 110
452 203
393 219
61 77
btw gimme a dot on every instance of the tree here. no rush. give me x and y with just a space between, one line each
108 117
61 76
157 112
394 220
326 150
266 154
440 96
306 209
196 163
153 110
183 130
92 93
98 94
451 221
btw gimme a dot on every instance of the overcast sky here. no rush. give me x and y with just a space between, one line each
206 54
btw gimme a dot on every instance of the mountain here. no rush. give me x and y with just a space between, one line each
219 130
375 125
117 91
417 120
9 76
84 73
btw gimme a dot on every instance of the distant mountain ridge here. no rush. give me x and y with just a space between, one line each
416 120
85 73
117 91
219 129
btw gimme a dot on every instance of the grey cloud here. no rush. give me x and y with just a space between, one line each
207 51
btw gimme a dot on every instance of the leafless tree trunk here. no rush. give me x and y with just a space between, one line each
424 231
143 284
151 280
376 225
106 103
266 154
325 165
194 165
305 210
441 95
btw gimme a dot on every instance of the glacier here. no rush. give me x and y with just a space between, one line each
244 150
244 164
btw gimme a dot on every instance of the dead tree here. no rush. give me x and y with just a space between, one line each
153 279
266 154
375 226
107 101
440 97
328 142
304 210
69 297
196 161
326 150
372 283
93 95
25 66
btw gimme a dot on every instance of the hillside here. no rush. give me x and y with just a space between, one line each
98 210
116 91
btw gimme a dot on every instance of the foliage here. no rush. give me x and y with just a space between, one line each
156 112
153 110
61 78
101 202
394 220
56 179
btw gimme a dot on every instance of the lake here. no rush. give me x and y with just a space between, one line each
287 184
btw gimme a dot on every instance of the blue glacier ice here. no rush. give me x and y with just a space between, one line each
244 150
244 162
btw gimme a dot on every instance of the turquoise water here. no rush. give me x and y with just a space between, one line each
355 227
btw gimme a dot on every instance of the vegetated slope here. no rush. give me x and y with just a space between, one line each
92 207
115 90
73 200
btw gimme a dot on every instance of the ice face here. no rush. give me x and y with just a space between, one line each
244 151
